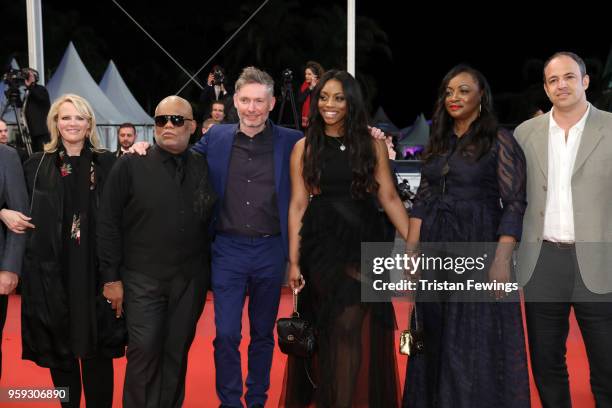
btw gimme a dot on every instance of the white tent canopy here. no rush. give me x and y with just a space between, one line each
117 91
114 87
71 76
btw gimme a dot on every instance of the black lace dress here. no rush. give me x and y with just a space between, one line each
355 362
475 351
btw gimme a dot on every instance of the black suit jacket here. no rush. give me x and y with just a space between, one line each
13 196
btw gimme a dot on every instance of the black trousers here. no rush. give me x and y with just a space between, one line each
3 310
555 287
161 319
97 375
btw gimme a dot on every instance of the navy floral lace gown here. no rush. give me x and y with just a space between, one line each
474 351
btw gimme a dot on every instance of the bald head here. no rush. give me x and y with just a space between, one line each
3 132
175 102
174 124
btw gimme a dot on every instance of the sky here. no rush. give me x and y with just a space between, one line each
425 40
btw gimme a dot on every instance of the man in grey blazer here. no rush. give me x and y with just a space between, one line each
13 196
565 256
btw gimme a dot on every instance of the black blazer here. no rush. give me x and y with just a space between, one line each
14 197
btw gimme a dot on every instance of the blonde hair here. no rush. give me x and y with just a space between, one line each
84 109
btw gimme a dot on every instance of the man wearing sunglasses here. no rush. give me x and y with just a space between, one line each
153 244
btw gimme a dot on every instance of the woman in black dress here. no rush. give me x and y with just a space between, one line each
337 173
67 325
472 190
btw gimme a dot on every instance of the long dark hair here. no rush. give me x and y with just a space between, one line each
483 129
315 67
357 138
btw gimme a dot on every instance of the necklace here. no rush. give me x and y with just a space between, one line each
337 139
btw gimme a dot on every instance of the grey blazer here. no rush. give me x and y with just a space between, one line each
13 196
591 195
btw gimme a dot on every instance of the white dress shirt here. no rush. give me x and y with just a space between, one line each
559 215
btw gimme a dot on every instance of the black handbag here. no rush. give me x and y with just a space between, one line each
295 335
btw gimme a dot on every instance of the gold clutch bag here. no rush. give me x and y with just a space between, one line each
412 341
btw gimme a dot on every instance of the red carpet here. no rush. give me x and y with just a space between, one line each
200 376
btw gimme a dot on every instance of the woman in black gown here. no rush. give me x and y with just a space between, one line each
337 173
66 324
472 190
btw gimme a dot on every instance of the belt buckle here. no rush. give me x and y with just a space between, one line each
563 245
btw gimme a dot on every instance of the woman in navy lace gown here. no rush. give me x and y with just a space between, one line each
472 190
337 173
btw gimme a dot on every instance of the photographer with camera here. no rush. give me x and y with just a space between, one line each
216 89
312 73
32 109
36 105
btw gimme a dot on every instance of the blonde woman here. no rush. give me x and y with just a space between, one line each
67 325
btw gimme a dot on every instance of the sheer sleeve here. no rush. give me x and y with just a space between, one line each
422 198
511 178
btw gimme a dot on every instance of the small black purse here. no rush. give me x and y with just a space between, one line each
295 335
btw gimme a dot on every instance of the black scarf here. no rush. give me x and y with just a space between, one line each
79 182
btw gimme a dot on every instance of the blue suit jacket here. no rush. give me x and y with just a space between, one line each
216 145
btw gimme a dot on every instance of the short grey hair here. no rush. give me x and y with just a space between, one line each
252 75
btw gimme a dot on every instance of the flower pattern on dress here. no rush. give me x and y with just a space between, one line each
75 229
65 168
92 177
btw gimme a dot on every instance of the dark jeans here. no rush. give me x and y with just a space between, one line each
97 375
242 265
550 295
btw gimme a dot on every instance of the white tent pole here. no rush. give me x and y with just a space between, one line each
350 40
35 38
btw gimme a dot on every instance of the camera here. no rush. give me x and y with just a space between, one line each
405 193
15 78
287 75
218 76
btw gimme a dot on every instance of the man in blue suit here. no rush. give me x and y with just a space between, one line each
249 169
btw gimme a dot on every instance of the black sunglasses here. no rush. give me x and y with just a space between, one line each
177 120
